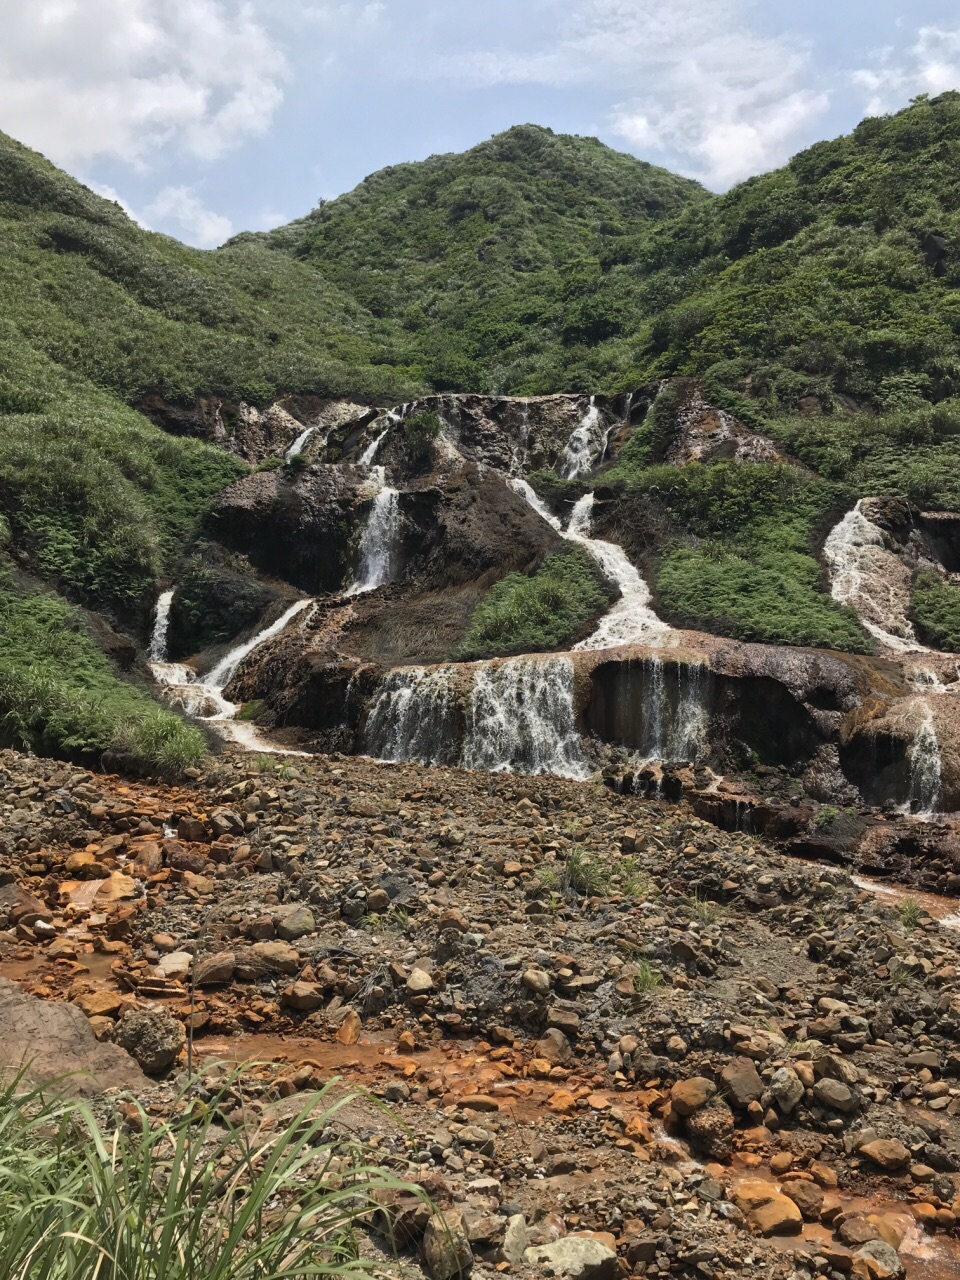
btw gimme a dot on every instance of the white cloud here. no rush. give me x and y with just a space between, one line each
203 227
931 65
711 89
87 78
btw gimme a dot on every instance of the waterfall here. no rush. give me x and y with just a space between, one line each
157 651
925 769
520 718
527 492
299 444
204 698
413 717
871 579
631 620
676 729
370 452
586 445
379 537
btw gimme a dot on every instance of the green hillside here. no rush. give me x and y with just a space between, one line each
491 260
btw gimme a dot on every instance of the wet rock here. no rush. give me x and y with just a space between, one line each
807 1196
877 1260
153 1036
766 1209
577 1256
711 1129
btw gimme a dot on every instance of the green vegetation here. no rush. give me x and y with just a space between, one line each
420 435
60 695
736 548
935 609
189 1197
547 611
910 913
646 978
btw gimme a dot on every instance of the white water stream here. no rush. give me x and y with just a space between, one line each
157 651
204 698
379 538
631 620
586 445
300 443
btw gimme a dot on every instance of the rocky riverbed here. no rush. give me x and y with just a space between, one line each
614 1039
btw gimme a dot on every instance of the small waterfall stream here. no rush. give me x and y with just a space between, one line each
157 651
925 769
867 576
378 539
301 442
204 698
586 445
414 717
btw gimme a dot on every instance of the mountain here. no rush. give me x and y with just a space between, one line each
489 259
149 393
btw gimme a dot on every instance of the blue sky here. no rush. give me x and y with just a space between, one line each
207 117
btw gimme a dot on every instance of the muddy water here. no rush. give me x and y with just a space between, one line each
945 910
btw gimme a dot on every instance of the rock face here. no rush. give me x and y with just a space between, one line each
54 1042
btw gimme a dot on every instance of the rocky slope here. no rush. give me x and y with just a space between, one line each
619 1040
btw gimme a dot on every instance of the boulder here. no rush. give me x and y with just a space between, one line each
787 1089
877 1260
214 971
741 1082
153 1036
55 1042
295 922
580 1257
836 1096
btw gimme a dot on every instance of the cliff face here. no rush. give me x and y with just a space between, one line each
408 524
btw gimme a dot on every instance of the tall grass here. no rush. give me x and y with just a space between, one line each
190 1198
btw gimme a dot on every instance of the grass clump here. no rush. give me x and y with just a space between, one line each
546 611
585 874
646 978
935 609
59 695
910 913
190 1198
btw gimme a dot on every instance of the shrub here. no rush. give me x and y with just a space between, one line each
420 435
186 1198
547 611
935 609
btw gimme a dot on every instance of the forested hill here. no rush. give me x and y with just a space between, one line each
536 263
490 259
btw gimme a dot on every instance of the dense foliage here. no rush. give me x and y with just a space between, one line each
549 610
935 608
734 548
60 695
537 263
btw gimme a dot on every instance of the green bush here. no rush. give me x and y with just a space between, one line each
420 435
60 696
547 611
935 610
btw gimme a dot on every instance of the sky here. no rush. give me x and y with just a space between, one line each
208 117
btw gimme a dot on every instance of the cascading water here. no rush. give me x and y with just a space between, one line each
300 443
631 620
676 728
379 538
370 452
204 698
586 445
413 717
867 576
925 769
157 651
520 718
